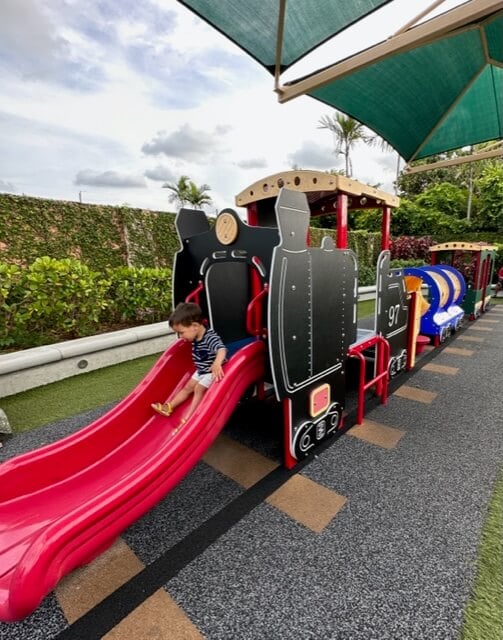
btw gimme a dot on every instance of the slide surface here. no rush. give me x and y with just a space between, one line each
63 504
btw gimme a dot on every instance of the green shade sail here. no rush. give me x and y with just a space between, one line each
253 24
439 96
442 89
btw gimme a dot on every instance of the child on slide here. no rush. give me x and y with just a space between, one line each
208 354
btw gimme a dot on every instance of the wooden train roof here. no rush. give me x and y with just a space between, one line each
317 185
463 246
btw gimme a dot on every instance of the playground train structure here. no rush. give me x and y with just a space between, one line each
288 314
262 280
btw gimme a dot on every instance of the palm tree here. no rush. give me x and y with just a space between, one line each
347 132
197 196
187 192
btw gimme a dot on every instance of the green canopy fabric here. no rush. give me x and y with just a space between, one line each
253 24
441 90
433 98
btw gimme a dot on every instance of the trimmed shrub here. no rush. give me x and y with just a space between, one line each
137 295
53 300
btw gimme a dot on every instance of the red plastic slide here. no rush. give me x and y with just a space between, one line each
63 504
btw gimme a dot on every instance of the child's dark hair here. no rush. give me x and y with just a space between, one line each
185 314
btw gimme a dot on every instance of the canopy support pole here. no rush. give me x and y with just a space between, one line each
418 17
474 157
279 42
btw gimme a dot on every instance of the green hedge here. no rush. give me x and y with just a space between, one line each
52 300
104 266
99 236
366 245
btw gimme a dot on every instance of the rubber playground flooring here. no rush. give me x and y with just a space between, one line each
374 537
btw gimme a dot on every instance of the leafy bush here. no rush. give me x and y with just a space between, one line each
498 263
63 296
366 276
138 295
52 300
12 293
402 264
366 245
411 248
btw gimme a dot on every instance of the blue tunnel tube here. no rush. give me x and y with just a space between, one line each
447 289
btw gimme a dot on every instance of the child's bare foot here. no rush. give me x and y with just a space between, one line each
164 409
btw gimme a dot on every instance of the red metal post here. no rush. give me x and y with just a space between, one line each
254 313
385 228
252 214
288 460
342 221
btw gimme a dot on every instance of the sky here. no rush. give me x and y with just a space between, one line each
104 101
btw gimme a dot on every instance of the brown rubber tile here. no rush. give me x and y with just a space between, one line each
84 588
299 498
376 433
470 339
441 368
242 464
307 502
455 351
412 393
159 617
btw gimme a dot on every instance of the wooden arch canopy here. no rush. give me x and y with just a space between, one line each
320 188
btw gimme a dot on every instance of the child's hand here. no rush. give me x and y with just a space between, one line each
217 371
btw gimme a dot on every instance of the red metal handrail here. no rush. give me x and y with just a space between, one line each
254 313
194 295
381 378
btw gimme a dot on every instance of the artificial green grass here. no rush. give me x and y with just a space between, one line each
366 308
71 396
484 611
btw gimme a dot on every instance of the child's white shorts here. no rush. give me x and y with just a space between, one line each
204 379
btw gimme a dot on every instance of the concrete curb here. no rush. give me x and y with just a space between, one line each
31 368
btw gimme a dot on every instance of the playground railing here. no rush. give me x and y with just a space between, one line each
254 313
380 379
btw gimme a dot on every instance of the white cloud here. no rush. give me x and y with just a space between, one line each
148 89
7 187
252 163
108 179
32 48
26 37
160 173
313 156
186 143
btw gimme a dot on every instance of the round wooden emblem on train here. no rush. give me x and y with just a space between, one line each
226 228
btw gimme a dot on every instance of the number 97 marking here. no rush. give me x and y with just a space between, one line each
393 313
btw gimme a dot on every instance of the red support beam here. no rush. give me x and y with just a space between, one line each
252 214
385 228
342 221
